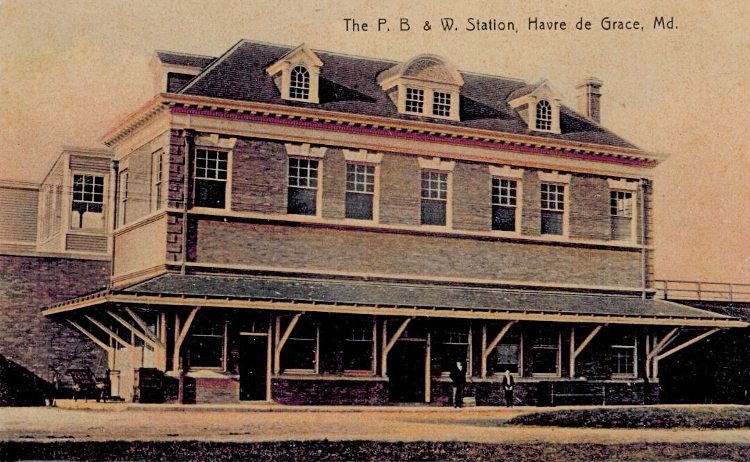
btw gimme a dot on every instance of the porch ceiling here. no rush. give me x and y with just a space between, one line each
404 299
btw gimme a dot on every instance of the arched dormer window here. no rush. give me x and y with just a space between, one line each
297 75
543 115
299 83
426 85
538 105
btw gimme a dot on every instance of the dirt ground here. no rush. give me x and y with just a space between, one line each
117 422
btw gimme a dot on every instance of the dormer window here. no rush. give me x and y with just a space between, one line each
425 85
543 115
538 105
296 75
299 83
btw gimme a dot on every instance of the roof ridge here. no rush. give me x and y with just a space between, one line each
213 64
196 55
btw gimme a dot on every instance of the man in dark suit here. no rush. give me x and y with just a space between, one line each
458 379
508 384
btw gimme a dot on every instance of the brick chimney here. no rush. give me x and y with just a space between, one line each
589 93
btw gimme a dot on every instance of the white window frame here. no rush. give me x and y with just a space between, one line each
628 187
469 351
421 101
429 93
316 367
634 349
546 118
373 159
227 181
558 373
294 88
374 359
510 174
105 186
556 178
436 165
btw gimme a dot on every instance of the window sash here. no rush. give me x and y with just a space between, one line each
433 212
303 173
211 164
359 206
88 189
360 178
504 192
543 115
299 83
441 104
623 360
434 185
414 100
553 197
621 204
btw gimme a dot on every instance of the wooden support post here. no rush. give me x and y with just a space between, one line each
389 343
575 352
487 349
162 351
658 347
181 334
427 370
108 331
281 341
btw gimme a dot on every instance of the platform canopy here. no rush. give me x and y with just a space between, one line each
394 298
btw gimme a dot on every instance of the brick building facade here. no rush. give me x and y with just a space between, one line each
308 227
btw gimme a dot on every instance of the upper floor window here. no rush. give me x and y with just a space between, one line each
434 198
299 83
621 213
543 115
210 179
303 186
504 197
441 104
360 191
87 207
553 208
157 179
414 100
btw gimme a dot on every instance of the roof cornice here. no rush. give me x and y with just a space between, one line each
165 100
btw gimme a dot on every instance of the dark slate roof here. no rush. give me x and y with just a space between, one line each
368 293
184 59
349 84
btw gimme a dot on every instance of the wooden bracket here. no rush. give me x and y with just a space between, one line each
108 331
575 352
388 344
281 340
487 348
180 334
132 329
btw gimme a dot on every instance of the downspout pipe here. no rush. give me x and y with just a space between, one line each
113 221
643 184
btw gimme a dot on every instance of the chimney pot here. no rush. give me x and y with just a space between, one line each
589 94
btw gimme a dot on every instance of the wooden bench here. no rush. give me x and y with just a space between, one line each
86 385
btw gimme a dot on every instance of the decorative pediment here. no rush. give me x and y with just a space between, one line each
539 106
296 74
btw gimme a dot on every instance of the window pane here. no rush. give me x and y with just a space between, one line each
302 201
414 100
299 83
503 218
359 206
552 222
506 358
433 212
621 228
210 193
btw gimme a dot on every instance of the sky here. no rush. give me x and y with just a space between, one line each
71 70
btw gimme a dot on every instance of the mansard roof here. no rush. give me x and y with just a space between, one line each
184 59
349 84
